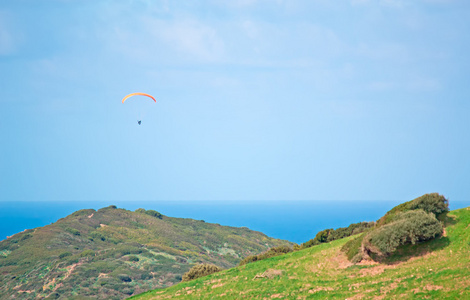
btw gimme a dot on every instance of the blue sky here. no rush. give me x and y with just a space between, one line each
256 100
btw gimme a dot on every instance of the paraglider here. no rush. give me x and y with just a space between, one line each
138 94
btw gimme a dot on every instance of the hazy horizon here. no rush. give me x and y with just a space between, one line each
296 221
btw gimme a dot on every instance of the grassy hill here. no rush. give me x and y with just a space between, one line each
436 269
113 253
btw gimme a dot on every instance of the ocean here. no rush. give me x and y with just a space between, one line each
296 221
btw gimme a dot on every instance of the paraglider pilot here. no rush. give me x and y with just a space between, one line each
139 122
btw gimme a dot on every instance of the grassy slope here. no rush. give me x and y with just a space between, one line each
440 271
88 252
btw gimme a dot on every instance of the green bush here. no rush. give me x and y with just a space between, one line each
353 248
26 236
406 228
104 266
95 235
124 277
127 291
133 258
72 260
149 212
275 251
88 271
124 249
53 296
431 203
83 212
87 252
64 254
329 235
72 231
146 276
200 271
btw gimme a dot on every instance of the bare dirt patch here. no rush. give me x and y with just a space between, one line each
318 289
26 291
269 274
367 262
217 285
372 271
341 260
357 296
430 287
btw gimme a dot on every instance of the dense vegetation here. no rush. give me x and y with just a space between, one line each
275 251
434 269
431 203
113 253
407 228
329 235
200 271
414 221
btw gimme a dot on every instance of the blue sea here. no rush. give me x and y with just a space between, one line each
296 221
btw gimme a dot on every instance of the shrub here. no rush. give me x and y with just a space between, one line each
153 213
280 250
72 260
64 254
149 212
329 235
125 249
431 203
103 266
200 271
26 236
87 252
95 235
406 228
53 296
112 240
72 231
146 276
275 251
353 248
82 212
133 258
127 291
124 277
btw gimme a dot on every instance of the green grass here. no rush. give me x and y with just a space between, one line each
437 269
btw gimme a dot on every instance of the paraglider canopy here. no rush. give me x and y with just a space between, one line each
138 94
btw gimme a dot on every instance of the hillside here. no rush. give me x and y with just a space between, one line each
113 253
436 269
